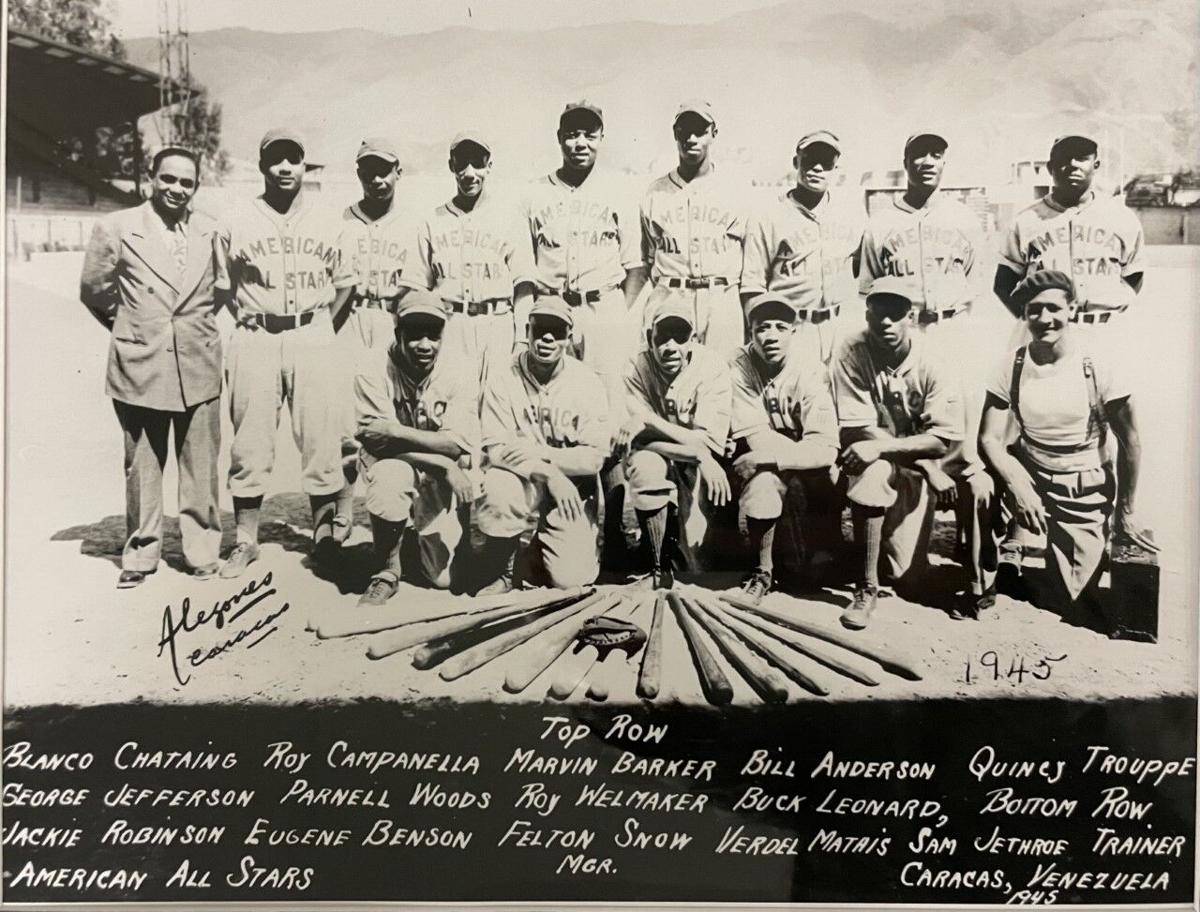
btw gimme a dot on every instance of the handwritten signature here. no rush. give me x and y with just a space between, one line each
223 614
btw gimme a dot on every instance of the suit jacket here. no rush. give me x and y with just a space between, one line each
165 351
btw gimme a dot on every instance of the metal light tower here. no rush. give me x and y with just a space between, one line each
174 67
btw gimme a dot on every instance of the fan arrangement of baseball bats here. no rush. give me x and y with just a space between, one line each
768 648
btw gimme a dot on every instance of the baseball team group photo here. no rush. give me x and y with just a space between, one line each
601 435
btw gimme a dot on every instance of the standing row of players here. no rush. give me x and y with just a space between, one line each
506 362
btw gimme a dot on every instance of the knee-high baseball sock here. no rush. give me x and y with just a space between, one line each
245 514
323 508
762 538
868 540
345 503
654 527
387 536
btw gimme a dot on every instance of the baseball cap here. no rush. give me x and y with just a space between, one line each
890 287
768 297
820 136
171 149
934 138
280 134
1037 282
673 307
581 110
470 136
378 147
700 108
552 306
1071 141
419 301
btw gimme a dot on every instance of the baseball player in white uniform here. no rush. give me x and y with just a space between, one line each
693 226
900 415
786 435
1095 239
932 243
545 435
587 245
275 258
372 249
418 416
678 399
472 253
803 246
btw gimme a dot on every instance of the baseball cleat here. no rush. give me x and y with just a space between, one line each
241 557
757 585
206 571
382 587
858 614
131 578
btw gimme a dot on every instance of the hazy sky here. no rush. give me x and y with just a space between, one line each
138 18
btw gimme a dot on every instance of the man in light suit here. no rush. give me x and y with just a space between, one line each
148 278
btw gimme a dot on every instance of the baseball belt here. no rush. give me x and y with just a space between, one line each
694 283
577 298
936 316
1097 316
277 323
481 308
374 303
818 315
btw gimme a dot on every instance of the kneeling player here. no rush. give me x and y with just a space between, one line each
786 433
902 424
545 435
678 398
416 419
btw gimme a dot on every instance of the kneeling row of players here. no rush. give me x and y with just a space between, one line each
762 434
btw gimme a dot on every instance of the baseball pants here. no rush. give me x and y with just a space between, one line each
483 340
570 550
653 481
816 342
601 341
401 493
367 329
197 444
299 367
808 500
719 323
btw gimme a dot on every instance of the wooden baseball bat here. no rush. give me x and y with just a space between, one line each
579 663
554 645
437 651
398 613
606 673
392 641
650 675
764 679
798 668
716 685
484 652
795 641
897 663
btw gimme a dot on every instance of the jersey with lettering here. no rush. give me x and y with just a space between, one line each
584 238
1098 243
693 228
570 409
446 399
933 248
805 254
919 396
470 256
697 398
373 252
277 263
796 402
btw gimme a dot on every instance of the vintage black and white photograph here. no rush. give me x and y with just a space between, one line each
620 452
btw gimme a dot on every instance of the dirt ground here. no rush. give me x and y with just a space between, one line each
70 637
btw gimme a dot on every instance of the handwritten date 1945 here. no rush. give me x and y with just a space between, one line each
990 666
223 614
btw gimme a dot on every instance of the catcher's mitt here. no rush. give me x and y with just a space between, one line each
608 633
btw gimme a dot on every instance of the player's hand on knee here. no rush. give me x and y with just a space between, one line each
1130 530
942 485
983 489
1027 506
746 466
508 457
856 457
460 484
566 496
716 483
625 435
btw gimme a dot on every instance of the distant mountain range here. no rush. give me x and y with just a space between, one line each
1000 78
